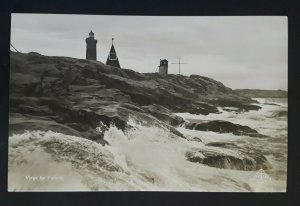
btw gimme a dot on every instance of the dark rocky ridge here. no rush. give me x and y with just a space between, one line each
73 96
259 93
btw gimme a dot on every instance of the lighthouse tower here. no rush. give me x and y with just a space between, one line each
112 58
91 50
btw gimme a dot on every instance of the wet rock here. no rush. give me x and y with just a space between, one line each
230 101
237 159
223 127
222 144
196 139
164 114
272 104
19 123
277 114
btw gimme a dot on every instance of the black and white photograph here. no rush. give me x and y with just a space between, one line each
148 103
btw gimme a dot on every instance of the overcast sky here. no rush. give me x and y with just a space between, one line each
241 52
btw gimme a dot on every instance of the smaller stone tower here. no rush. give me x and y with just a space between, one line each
91 50
163 67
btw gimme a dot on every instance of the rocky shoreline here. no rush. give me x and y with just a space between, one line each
73 96
259 93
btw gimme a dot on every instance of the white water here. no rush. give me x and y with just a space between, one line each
148 158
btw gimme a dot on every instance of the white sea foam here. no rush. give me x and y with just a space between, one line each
146 158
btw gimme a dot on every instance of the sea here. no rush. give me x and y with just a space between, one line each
152 158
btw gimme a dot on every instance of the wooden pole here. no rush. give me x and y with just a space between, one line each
14 48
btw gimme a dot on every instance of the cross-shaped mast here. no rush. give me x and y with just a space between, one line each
179 63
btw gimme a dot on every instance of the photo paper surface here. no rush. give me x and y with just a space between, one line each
148 103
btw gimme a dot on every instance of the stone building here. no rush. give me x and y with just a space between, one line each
163 67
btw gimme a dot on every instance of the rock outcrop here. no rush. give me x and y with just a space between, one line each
73 96
230 157
259 93
279 114
221 126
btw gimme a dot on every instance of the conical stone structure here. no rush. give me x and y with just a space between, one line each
112 58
